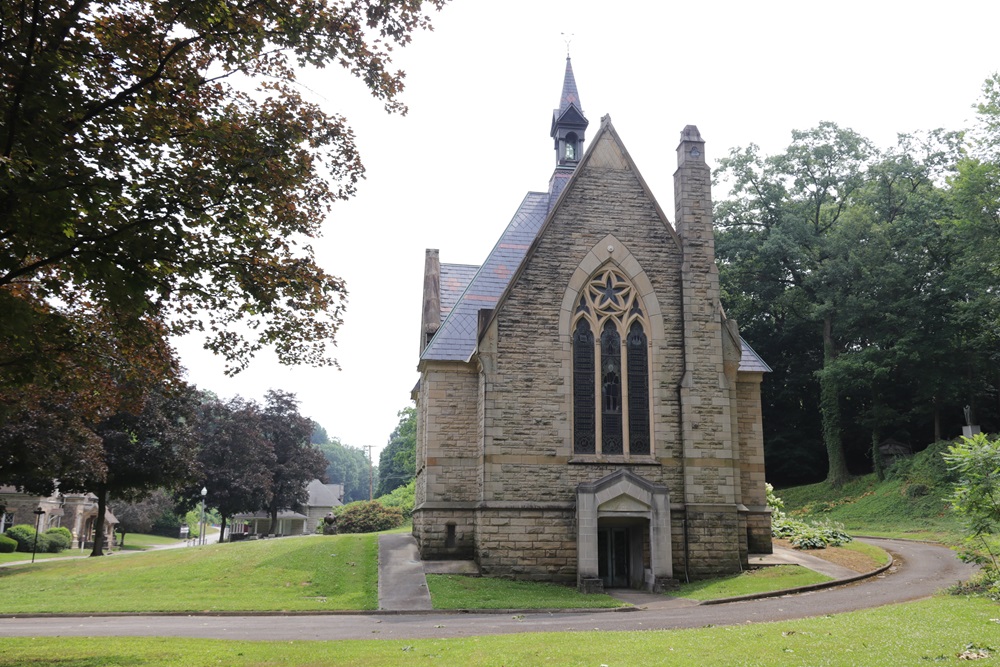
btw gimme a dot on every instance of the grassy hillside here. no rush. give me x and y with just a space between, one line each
314 573
910 503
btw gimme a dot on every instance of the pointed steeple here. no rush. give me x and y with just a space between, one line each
570 95
568 127
568 122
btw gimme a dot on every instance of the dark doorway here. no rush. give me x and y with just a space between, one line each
613 556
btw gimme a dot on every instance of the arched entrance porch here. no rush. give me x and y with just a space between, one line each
623 534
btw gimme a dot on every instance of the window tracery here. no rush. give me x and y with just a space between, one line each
610 369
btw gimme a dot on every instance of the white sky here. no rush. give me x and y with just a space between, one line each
481 88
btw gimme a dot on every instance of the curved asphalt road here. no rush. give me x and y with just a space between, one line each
919 571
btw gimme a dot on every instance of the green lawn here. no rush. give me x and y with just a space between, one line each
140 541
449 591
934 631
879 556
760 580
292 573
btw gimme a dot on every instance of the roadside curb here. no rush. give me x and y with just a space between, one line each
805 589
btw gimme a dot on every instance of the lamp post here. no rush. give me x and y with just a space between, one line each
38 515
201 531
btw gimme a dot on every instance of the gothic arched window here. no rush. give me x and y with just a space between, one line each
610 379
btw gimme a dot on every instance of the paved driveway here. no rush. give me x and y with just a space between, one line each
921 570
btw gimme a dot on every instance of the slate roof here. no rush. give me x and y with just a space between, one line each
456 339
324 495
750 360
454 279
570 95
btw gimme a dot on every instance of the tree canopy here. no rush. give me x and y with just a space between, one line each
860 275
349 466
235 458
157 160
296 461
397 462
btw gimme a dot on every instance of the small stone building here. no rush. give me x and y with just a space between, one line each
586 412
75 511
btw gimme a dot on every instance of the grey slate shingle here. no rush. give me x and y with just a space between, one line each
456 339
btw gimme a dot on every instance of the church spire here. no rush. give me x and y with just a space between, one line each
568 126
568 122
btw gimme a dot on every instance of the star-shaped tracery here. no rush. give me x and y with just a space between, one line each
611 293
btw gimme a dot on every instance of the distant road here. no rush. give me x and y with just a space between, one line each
920 570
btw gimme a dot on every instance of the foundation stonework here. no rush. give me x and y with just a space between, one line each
674 483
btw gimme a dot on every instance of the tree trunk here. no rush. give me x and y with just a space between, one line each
102 508
937 420
222 528
877 462
830 410
272 529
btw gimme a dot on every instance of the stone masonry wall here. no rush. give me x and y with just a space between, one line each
751 433
709 449
716 545
450 461
528 440
448 471
536 544
445 534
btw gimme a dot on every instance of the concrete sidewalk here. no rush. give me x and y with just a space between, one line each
783 556
402 585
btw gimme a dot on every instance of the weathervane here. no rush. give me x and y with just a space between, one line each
568 41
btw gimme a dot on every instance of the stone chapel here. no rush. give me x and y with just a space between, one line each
586 412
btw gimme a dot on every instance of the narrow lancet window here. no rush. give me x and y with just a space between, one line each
612 441
584 409
638 390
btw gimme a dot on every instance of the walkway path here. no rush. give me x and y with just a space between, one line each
921 570
402 585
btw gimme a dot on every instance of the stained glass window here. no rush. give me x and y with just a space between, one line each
638 390
610 305
584 415
612 441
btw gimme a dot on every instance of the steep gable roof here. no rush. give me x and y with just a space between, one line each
456 339
605 151
454 279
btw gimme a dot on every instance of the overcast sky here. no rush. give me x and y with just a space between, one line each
481 88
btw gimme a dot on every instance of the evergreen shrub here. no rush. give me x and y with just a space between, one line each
59 538
367 516
24 535
7 545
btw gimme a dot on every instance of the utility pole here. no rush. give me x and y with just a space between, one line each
371 471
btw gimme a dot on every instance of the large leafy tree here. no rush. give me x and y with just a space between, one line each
235 458
48 424
397 462
860 276
296 461
785 231
157 159
144 448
